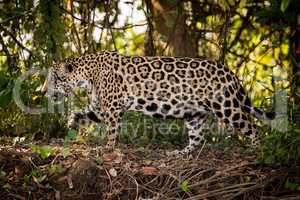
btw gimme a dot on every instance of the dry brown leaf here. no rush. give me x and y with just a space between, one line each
110 157
149 170
113 157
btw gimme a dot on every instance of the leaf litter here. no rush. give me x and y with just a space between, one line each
88 172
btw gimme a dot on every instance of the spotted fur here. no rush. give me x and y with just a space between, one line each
166 87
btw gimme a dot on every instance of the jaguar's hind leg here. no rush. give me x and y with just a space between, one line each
196 136
240 122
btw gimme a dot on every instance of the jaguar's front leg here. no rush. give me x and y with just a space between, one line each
84 117
88 114
114 124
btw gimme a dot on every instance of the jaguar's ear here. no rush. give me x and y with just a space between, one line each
68 67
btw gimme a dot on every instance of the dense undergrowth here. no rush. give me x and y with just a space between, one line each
277 148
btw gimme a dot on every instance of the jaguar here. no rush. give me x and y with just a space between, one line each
185 88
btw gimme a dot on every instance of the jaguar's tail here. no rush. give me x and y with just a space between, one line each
256 112
259 114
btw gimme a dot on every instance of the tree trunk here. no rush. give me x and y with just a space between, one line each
295 82
171 28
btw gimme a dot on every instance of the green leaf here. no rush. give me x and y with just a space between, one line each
291 186
284 5
46 152
185 186
99 160
40 179
43 152
71 136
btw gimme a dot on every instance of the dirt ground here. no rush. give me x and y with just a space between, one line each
84 171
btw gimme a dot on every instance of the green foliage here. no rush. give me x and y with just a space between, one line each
141 130
55 168
291 186
49 35
43 151
280 148
185 186
284 5
14 120
36 176
99 160
281 12
70 136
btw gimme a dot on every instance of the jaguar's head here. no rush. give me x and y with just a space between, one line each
60 81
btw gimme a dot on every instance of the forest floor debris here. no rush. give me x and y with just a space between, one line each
84 171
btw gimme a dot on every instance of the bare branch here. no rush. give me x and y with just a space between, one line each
224 34
16 40
106 7
127 26
149 48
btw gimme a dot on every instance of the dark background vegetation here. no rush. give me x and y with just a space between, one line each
258 40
